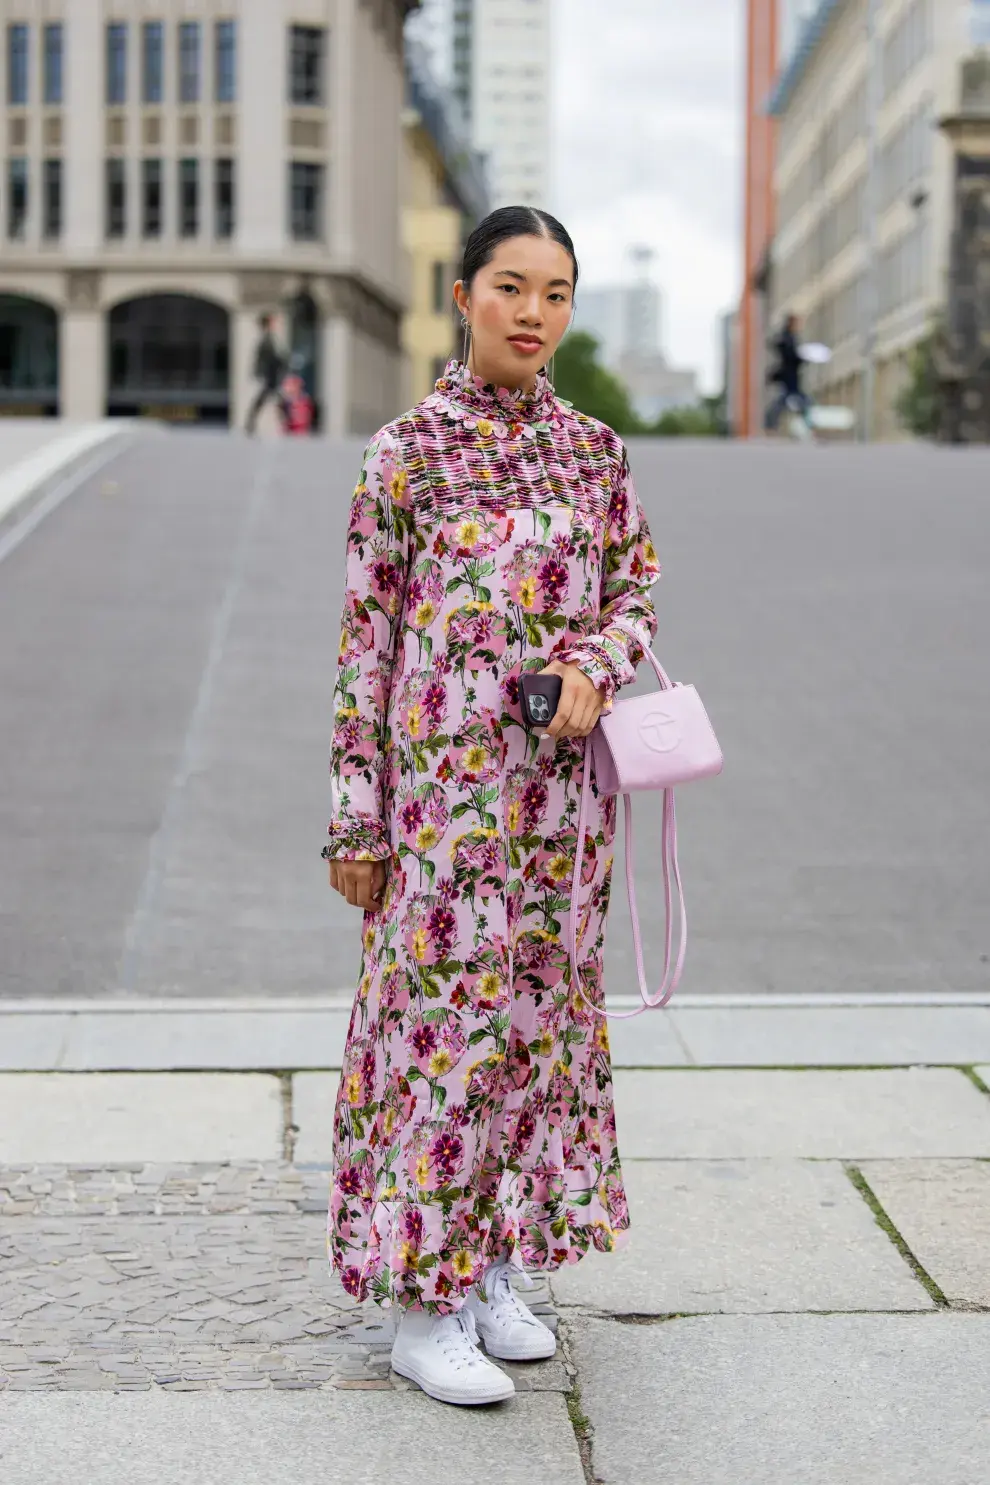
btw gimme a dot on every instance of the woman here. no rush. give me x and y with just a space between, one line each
494 530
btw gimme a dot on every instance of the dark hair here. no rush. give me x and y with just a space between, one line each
512 221
265 321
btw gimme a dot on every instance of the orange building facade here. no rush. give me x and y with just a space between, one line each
762 58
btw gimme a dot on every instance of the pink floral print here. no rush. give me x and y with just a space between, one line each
490 533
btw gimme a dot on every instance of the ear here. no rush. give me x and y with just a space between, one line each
461 297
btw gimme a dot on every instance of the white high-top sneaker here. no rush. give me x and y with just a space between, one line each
441 1353
509 1328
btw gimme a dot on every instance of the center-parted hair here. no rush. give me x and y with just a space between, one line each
512 221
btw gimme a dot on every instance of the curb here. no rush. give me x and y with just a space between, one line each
49 475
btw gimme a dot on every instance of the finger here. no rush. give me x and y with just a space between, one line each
351 888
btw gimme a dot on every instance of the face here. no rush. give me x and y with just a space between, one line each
518 306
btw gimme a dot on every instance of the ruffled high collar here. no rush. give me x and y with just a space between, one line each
466 399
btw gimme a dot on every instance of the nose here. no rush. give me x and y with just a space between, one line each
531 311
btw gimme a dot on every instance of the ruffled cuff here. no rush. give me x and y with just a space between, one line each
593 660
361 838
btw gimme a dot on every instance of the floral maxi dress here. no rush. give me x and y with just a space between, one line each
490 533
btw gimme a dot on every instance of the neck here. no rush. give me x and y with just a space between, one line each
476 366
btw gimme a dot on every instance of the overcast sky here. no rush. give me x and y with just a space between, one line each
648 149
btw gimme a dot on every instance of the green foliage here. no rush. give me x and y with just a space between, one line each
704 420
579 378
919 404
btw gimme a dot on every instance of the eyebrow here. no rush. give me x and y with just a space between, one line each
555 283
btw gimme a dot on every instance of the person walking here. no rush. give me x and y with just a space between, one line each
269 368
494 530
787 373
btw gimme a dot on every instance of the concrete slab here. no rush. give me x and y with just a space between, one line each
32 1042
738 1114
743 1237
365 1438
651 1040
314 1096
771 1400
174 1040
942 1210
99 1118
778 1036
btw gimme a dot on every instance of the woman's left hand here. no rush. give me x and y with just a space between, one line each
580 703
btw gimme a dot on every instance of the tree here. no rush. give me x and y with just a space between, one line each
919 403
591 387
706 419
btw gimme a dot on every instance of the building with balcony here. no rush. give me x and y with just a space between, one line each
862 235
174 168
445 194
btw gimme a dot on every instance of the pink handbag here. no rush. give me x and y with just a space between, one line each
645 742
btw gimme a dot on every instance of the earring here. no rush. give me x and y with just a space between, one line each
467 338
550 369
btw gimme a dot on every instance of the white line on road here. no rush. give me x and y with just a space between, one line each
108 451
344 999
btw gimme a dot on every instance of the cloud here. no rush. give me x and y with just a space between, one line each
648 149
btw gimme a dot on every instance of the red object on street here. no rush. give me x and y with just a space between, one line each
298 406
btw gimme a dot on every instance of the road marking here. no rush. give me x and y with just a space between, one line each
50 502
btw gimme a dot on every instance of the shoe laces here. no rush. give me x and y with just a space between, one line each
457 1338
504 1300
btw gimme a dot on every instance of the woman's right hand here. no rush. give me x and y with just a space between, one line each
361 882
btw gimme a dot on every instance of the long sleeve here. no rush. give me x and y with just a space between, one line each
630 568
380 542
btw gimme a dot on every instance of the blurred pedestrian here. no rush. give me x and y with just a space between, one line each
787 373
475 1123
297 405
269 368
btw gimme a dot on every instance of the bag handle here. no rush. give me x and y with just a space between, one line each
668 845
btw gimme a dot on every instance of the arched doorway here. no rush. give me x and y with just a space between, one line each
28 357
168 356
303 328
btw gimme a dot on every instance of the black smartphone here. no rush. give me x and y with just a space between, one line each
540 698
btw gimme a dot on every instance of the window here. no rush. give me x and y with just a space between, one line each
306 51
188 198
439 288
226 61
51 186
116 203
306 201
224 205
117 62
153 62
53 64
17 196
189 62
151 198
17 65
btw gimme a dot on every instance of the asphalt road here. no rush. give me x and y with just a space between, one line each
167 655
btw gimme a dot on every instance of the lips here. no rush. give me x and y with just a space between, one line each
528 343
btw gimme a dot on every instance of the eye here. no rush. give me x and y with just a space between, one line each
559 298
512 288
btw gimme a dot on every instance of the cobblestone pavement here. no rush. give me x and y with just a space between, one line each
186 1278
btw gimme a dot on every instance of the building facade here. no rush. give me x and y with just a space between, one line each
445 194
627 322
864 190
764 19
175 168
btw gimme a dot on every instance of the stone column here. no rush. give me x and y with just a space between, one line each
337 376
83 350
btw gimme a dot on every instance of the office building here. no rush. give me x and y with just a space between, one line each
862 235
171 171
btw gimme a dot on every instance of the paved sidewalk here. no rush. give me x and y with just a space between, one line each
805 1297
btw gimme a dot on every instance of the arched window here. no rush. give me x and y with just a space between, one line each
28 357
169 357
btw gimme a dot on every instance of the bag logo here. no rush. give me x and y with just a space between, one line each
660 732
